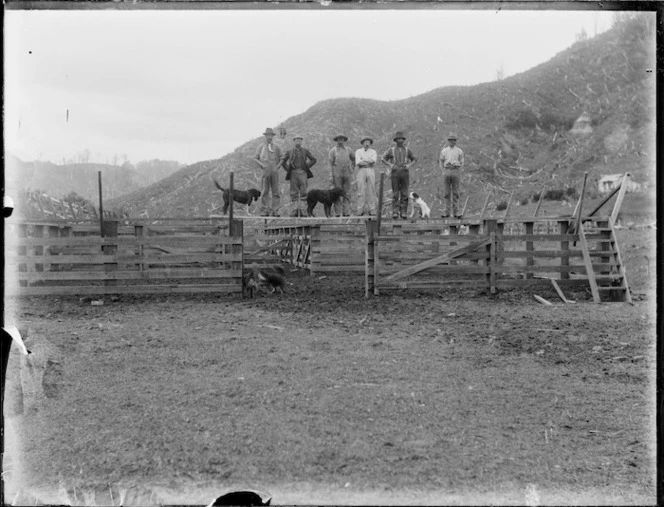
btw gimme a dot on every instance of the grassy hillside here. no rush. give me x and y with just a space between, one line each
82 178
515 132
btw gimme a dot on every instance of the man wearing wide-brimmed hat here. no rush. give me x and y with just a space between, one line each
365 160
451 162
399 158
298 162
268 156
342 162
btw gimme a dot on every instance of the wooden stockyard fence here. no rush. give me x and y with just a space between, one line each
210 254
52 258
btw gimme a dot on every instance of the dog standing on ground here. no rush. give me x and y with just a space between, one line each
241 196
270 277
419 204
327 197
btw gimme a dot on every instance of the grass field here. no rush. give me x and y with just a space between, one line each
321 396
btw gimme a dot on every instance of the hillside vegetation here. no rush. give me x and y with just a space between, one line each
516 133
82 178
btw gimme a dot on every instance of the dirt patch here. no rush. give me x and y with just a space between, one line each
398 398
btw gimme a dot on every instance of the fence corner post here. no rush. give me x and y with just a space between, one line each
235 231
490 227
369 281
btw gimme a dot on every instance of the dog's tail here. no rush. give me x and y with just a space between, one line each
216 184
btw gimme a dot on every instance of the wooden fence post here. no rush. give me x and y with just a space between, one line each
379 213
22 250
563 226
230 202
38 232
139 232
236 230
490 227
314 248
109 229
530 260
369 280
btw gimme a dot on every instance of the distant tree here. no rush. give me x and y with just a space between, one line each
582 35
500 72
501 205
74 198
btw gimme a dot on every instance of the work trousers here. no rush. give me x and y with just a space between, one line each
366 191
400 179
451 181
298 190
341 177
270 182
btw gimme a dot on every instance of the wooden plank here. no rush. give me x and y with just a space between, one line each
509 204
530 258
439 284
126 257
91 241
355 268
486 202
619 199
185 273
539 202
128 289
606 199
589 269
581 269
538 237
560 293
492 261
544 254
437 260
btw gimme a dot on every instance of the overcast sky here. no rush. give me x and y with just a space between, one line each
194 85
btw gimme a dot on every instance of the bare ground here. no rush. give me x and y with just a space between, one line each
323 396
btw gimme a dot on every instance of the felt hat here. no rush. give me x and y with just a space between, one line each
297 136
366 139
341 136
268 131
399 135
452 136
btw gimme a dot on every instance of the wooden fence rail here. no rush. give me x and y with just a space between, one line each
50 260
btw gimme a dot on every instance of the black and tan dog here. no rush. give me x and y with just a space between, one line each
241 196
269 277
327 197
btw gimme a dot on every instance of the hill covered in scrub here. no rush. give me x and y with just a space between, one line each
59 180
519 134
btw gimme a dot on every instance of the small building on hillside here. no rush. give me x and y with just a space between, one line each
582 125
610 181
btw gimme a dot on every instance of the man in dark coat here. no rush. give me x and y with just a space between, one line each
298 162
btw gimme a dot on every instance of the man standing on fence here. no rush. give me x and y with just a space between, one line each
451 162
268 156
399 158
342 162
297 162
365 160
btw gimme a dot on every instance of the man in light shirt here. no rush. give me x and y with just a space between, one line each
365 160
268 156
451 163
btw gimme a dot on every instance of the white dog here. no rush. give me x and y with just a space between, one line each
419 204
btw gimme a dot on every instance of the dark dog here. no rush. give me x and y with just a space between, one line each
271 277
241 196
327 197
